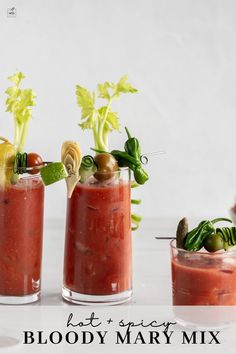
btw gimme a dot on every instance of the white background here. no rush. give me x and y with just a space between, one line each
181 55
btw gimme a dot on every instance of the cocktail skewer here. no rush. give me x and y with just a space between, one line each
144 158
165 238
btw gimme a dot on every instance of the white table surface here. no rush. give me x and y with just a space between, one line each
151 299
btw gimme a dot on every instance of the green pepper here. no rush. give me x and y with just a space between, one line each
132 146
140 175
195 238
126 160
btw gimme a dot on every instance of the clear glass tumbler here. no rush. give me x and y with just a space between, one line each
21 233
98 248
203 279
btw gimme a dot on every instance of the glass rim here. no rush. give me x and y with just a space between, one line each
210 254
26 169
120 169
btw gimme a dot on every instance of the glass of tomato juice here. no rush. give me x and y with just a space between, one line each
21 232
203 279
98 248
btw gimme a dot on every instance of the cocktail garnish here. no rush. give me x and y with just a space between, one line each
228 235
53 172
34 163
181 232
106 166
20 103
71 157
101 120
132 146
20 165
7 158
213 243
130 157
144 158
195 238
87 168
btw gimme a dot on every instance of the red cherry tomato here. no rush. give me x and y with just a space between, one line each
33 160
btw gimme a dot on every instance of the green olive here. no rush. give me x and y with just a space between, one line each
214 243
106 166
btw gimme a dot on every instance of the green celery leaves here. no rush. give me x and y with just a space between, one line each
101 120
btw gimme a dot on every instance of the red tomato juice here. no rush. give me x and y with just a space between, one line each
204 281
21 231
98 239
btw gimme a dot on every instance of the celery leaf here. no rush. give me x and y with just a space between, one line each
112 119
17 78
85 100
124 86
104 90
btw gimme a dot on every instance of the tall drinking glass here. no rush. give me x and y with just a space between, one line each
98 249
21 233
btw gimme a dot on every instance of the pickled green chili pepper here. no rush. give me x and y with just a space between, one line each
140 175
195 238
132 146
126 160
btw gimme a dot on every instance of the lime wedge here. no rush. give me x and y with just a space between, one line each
53 172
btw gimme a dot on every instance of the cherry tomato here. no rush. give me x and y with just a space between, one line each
106 166
33 160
